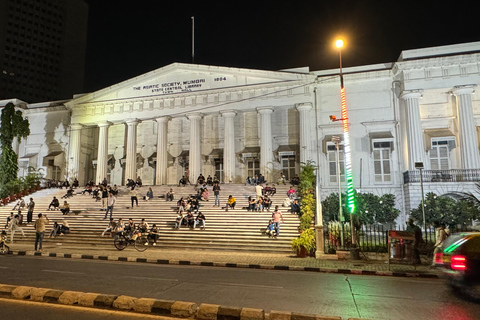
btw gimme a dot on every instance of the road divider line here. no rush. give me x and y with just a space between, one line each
60 271
148 278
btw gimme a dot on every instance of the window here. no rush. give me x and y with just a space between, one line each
332 162
288 166
253 167
382 156
440 153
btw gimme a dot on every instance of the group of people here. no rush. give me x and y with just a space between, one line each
190 220
201 180
273 227
132 230
260 204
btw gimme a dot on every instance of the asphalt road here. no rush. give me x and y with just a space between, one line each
370 297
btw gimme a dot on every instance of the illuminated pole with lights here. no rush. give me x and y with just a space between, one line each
348 155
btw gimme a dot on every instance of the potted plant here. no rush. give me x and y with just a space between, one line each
304 245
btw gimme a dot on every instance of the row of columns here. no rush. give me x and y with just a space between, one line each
470 158
266 145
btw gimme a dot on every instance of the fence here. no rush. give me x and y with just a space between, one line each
370 238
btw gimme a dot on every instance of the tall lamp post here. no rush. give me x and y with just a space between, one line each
336 140
350 201
419 166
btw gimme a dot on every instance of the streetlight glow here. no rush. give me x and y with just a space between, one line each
339 43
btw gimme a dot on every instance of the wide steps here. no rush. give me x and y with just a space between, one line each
233 230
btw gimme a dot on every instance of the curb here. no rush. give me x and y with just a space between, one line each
228 264
169 308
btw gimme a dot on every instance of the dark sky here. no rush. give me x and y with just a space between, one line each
129 38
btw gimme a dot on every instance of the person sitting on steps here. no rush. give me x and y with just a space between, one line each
169 195
55 204
182 182
200 219
231 202
154 234
65 208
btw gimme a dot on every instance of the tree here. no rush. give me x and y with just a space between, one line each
446 210
12 126
370 208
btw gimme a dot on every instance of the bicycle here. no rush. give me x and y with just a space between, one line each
140 240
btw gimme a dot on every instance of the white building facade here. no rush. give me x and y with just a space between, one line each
235 123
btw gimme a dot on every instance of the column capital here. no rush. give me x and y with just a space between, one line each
467 89
163 119
104 124
194 116
265 110
228 113
305 106
411 94
76 126
131 122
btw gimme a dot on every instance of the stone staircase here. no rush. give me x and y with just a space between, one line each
233 230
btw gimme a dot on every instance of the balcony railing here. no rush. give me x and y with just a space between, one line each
454 175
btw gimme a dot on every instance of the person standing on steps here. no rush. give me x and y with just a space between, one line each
216 193
133 196
30 207
277 217
40 226
110 203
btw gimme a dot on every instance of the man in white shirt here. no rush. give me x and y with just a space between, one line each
110 202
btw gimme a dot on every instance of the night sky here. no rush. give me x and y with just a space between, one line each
129 38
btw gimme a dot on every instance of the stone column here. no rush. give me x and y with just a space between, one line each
229 146
415 143
305 131
102 156
266 152
194 163
467 128
161 169
131 154
74 153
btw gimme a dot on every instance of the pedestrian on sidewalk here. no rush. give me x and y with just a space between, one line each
411 227
110 203
30 208
40 226
216 193
277 217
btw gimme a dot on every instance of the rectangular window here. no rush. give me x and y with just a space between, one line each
288 167
440 153
253 167
332 162
382 156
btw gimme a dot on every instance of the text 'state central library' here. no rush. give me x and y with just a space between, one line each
236 123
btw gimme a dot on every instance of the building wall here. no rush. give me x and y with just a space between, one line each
419 108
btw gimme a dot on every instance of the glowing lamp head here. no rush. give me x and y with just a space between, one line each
339 43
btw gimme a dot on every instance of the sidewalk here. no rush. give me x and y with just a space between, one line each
228 259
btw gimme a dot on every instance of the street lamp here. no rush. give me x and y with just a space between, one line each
348 156
419 166
336 140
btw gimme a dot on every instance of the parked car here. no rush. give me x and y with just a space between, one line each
460 263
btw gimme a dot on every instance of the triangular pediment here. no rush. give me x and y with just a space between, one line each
179 78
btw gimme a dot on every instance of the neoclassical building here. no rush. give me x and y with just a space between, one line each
235 123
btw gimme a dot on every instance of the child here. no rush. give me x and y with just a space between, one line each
270 230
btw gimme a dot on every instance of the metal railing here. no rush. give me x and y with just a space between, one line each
370 238
453 175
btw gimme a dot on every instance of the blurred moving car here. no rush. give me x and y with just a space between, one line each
460 263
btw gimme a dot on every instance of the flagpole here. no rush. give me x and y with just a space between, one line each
193 39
